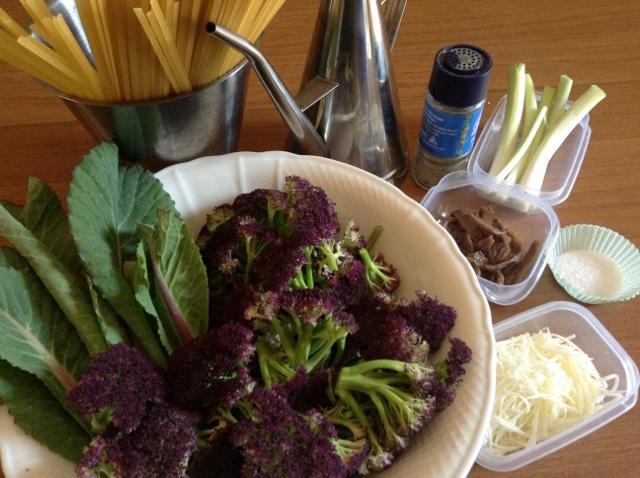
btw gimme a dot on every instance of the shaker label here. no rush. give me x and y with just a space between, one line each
448 135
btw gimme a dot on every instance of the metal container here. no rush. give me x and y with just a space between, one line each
348 108
204 122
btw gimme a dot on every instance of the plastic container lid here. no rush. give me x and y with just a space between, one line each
568 318
529 217
562 170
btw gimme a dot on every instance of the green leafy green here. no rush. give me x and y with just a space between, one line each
137 273
106 203
41 235
35 336
39 414
109 322
181 293
10 258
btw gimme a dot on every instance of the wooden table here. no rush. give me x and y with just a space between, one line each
591 40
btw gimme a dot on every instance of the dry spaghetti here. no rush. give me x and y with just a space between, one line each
141 49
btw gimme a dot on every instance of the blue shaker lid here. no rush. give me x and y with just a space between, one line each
460 75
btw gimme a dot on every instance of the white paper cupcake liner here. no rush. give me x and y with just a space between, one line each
607 242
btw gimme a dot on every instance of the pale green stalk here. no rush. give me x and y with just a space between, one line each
524 146
516 175
537 167
512 118
560 100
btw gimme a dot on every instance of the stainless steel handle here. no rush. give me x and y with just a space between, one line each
303 131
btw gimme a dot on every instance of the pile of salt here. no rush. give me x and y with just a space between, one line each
589 272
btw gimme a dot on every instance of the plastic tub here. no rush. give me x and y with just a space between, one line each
560 177
562 170
527 216
568 318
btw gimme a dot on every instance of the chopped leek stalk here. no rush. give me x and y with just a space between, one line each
531 133
560 100
524 146
512 118
533 176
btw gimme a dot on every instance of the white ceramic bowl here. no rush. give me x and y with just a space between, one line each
424 253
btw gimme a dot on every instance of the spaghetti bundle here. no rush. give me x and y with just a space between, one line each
140 49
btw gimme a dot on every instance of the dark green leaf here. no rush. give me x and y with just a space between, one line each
112 329
106 203
137 274
35 336
50 259
39 414
10 258
181 292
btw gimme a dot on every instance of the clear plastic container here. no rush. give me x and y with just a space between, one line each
568 318
529 217
559 179
562 170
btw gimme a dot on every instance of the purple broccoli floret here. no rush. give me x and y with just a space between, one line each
348 283
430 318
314 218
219 459
275 268
305 391
449 373
117 389
160 447
392 337
279 442
211 371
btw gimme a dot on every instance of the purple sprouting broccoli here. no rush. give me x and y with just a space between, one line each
351 442
347 284
314 219
383 333
211 370
390 399
429 317
160 447
305 391
219 459
449 373
378 273
119 386
391 337
275 441
275 268
229 253
305 332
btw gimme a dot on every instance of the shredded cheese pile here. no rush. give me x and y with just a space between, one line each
545 384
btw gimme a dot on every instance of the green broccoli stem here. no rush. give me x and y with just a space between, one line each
376 447
373 238
308 267
373 271
272 369
252 250
330 259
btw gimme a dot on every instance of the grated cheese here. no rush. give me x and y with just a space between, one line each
545 384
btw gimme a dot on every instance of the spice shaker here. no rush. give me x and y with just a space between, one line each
453 106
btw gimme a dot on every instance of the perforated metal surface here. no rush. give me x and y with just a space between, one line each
464 60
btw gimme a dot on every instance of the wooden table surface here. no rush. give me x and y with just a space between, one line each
591 40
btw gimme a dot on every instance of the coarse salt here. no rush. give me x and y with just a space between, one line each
589 272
